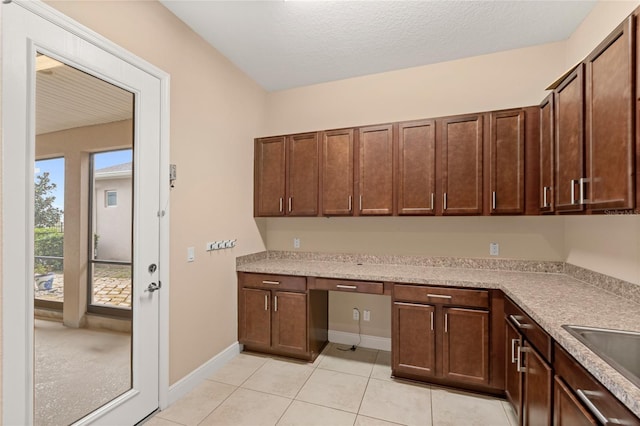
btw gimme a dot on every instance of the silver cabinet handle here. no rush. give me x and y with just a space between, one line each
350 202
544 197
493 200
275 303
431 320
446 323
266 302
517 323
581 182
574 182
360 203
348 287
584 397
290 200
439 296
444 201
271 282
432 200
280 204
519 364
514 359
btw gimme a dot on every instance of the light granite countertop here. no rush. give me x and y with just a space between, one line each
550 298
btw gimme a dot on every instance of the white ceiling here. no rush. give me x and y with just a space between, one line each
285 44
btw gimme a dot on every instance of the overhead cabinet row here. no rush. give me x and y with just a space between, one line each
463 165
587 131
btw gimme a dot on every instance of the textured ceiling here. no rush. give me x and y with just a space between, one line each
285 44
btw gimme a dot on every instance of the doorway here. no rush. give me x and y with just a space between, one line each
30 29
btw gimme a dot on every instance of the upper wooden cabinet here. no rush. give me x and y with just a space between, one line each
375 170
269 176
286 175
416 184
336 172
507 162
302 174
461 144
546 155
569 142
610 140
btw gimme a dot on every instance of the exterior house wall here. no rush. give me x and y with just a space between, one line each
113 223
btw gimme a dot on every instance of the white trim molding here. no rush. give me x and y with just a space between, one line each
200 374
366 341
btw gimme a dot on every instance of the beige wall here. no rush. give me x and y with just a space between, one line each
216 111
483 83
604 17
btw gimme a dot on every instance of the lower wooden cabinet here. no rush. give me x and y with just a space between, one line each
537 382
513 378
277 314
465 349
579 399
440 343
255 322
567 410
413 336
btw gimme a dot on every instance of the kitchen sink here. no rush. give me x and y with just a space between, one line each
621 349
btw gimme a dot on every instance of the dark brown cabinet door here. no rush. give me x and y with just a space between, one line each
461 146
567 410
569 141
513 378
538 376
337 172
610 119
465 351
302 174
255 317
416 167
546 154
290 321
413 339
375 170
269 177
506 162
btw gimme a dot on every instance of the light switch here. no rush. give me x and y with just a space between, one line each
191 254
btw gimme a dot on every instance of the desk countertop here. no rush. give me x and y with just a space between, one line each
548 291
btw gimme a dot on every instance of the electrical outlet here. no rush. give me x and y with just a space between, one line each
296 243
366 315
494 249
356 314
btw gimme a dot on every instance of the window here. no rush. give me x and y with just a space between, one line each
111 198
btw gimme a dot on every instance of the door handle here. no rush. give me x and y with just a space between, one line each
153 287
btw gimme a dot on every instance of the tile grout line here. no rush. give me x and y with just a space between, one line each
234 391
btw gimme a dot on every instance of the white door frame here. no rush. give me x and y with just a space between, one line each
17 318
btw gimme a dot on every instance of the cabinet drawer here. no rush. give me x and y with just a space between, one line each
348 285
275 282
441 295
584 385
529 328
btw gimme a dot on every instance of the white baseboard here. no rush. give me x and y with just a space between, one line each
197 376
371 342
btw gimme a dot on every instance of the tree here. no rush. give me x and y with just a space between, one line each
46 215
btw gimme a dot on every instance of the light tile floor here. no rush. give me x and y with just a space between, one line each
339 388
